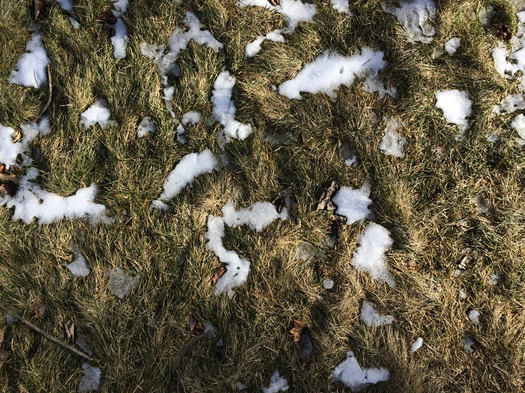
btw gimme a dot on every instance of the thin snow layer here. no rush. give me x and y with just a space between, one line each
456 107
66 5
510 104
341 6
518 124
254 47
79 267
414 16
146 127
30 69
224 108
370 255
191 117
188 168
258 216
331 70
353 203
277 384
90 380
416 344
98 113
509 63
356 378
372 318
294 11
180 134
120 36
393 143
120 284
474 315
452 45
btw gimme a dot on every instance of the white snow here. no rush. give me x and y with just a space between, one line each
98 113
328 284
188 168
224 108
120 284
90 380
341 6
9 150
353 203
257 216
452 45
120 38
254 47
330 70
393 143
372 318
241 386
277 384
66 5
191 117
469 346
180 134
494 279
294 11
79 267
416 344
474 315
510 104
30 69
518 124
456 107
414 16
146 127
350 373
370 255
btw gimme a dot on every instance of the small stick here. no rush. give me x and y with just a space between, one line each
50 84
48 336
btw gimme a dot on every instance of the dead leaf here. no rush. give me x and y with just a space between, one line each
4 355
297 330
193 326
219 272
2 168
17 135
325 202
69 326
412 265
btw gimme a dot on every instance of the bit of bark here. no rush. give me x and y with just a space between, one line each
325 202
297 330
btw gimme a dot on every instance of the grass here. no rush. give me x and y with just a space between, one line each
427 200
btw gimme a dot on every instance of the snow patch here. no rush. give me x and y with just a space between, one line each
452 45
331 70
416 344
474 315
372 318
353 203
146 127
254 47
79 267
30 69
120 37
350 373
518 124
120 284
341 6
509 63
510 104
370 255
191 117
393 143
415 17
90 380
98 113
277 384
456 107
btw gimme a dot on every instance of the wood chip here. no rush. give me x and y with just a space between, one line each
69 327
325 202
297 330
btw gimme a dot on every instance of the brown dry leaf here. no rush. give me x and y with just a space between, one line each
325 202
193 326
219 272
2 168
412 265
297 330
17 135
4 355
69 326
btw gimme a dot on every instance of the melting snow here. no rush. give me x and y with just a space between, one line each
328 284
456 107
474 315
341 6
120 284
469 346
509 104
98 113
452 45
9 150
224 108
91 379
66 5
356 378
79 267
415 16
294 11
417 344
353 203
30 69
393 143
120 38
372 318
370 255
146 127
518 124
258 216
331 70
191 117
277 384
188 168
501 54
254 47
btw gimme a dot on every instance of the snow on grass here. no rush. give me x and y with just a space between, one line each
120 284
510 104
90 380
254 47
341 6
294 11
456 107
353 203
350 373
370 255
224 108
191 117
418 343
415 17
66 5
258 216
120 37
510 63
146 127
79 267
393 143
98 113
30 69
188 168
452 45
372 318
474 315
9 150
518 124
330 70
277 384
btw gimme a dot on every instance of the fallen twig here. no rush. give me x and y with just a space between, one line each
48 336
50 85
